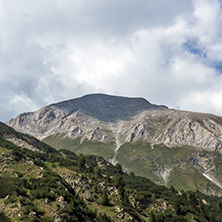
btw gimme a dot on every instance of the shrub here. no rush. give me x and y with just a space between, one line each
103 218
7 186
4 218
104 198
17 154
11 199
81 162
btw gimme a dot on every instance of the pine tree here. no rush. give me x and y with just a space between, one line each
107 177
120 184
81 162
97 172
105 199
119 168
95 189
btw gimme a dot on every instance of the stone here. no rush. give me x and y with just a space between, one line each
32 214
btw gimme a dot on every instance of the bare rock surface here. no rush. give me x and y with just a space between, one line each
120 119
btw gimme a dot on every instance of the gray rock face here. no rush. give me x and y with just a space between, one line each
105 107
118 119
204 132
80 116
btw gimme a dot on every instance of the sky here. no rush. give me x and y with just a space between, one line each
167 51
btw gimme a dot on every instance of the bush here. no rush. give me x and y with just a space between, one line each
103 218
43 192
81 162
7 186
104 198
4 218
11 199
21 191
17 154
31 207
97 172
25 201
17 173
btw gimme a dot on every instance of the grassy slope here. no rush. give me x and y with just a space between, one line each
153 162
18 198
37 169
164 165
86 147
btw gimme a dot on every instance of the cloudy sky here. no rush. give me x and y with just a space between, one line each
167 51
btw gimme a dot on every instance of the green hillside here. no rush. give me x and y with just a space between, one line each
182 167
171 166
51 185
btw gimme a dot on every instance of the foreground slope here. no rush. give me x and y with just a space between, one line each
50 185
168 146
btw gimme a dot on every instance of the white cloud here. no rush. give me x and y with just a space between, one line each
203 100
165 51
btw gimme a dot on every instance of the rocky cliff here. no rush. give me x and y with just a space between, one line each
118 119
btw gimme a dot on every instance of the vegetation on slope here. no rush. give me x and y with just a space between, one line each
60 186
181 167
105 150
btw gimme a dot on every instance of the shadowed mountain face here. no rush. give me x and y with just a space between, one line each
106 108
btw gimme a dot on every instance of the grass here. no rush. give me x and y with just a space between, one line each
108 210
151 163
97 149
87 147
161 164
191 179
59 142
6 129
4 150
144 160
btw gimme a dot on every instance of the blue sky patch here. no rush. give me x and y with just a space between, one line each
192 46
217 65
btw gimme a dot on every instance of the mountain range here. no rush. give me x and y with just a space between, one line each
168 146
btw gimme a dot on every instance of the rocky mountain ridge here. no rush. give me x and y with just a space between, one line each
118 119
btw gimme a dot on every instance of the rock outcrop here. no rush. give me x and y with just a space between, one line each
118 119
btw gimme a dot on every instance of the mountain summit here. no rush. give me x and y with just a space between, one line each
106 107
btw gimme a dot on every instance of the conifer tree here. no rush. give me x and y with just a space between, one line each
81 162
97 172
105 199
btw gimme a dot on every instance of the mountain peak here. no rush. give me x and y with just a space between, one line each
107 108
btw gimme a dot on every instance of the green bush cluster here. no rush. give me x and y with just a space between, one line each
8 185
184 203
103 218
4 218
